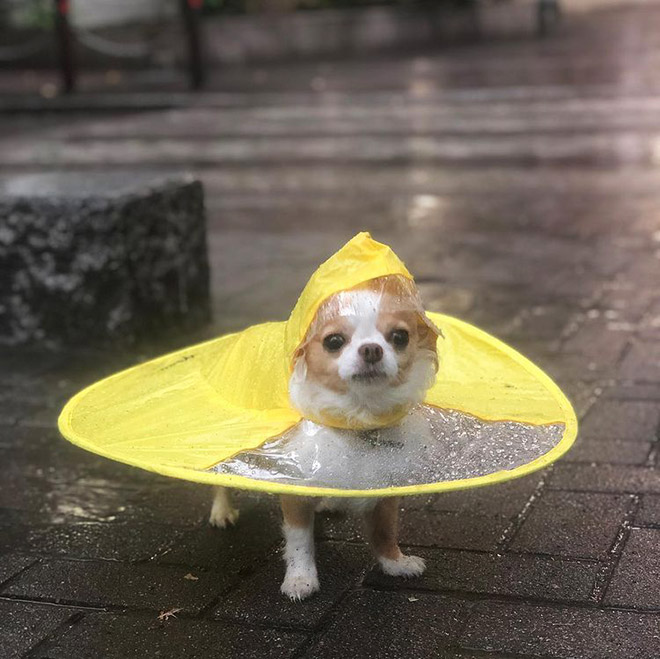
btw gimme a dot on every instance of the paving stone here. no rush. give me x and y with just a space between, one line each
461 530
106 583
258 600
597 342
561 632
572 524
538 577
28 362
453 530
649 328
119 637
642 363
648 513
121 542
180 504
543 321
627 420
23 625
632 391
236 550
21 436
478 654
73 464
61 503
572 366
416 502
49 458
634 583
381 625
341 527
605 478
11 564
37 415
624 299
506 499
608 451
581 394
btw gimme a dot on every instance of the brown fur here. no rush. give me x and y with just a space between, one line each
297 511
382 525
321 365
381 522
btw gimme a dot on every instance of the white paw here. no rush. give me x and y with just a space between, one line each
298 586
221 516
404 566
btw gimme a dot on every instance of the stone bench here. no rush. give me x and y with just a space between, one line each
87 259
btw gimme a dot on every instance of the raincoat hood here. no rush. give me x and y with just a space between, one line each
358 261
183 413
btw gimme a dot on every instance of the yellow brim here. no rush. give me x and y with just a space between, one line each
178 415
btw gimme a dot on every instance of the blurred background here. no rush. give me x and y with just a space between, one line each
172 170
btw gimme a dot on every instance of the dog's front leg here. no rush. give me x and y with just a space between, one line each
382 522
223 513
301 579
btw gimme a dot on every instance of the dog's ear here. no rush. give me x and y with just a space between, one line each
299 361
428 334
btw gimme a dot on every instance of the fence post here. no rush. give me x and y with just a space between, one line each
191 10
64 38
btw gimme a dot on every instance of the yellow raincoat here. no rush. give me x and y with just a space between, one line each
183 413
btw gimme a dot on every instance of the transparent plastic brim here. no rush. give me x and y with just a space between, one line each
429 445
426 445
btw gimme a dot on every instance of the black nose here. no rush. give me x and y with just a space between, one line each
370 352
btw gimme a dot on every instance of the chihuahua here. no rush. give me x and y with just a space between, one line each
367 359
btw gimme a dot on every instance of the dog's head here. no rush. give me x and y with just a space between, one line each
368 356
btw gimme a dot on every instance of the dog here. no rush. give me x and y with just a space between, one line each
367 359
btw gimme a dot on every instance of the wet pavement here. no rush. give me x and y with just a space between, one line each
520 183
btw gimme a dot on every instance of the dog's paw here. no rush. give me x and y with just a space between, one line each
404 566
222 516
297 586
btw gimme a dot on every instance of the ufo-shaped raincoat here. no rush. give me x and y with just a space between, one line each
219 412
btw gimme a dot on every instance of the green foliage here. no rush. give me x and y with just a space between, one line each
29 13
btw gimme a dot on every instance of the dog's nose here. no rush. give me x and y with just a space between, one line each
370 352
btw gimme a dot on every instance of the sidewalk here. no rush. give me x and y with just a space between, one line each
520 183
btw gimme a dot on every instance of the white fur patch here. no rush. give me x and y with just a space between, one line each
404 566
362 403
362 309
301 578
223 514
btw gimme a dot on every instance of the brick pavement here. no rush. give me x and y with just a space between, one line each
520 182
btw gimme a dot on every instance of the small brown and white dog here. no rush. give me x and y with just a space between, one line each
367 359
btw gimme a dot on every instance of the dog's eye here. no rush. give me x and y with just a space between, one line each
333 342
400 338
